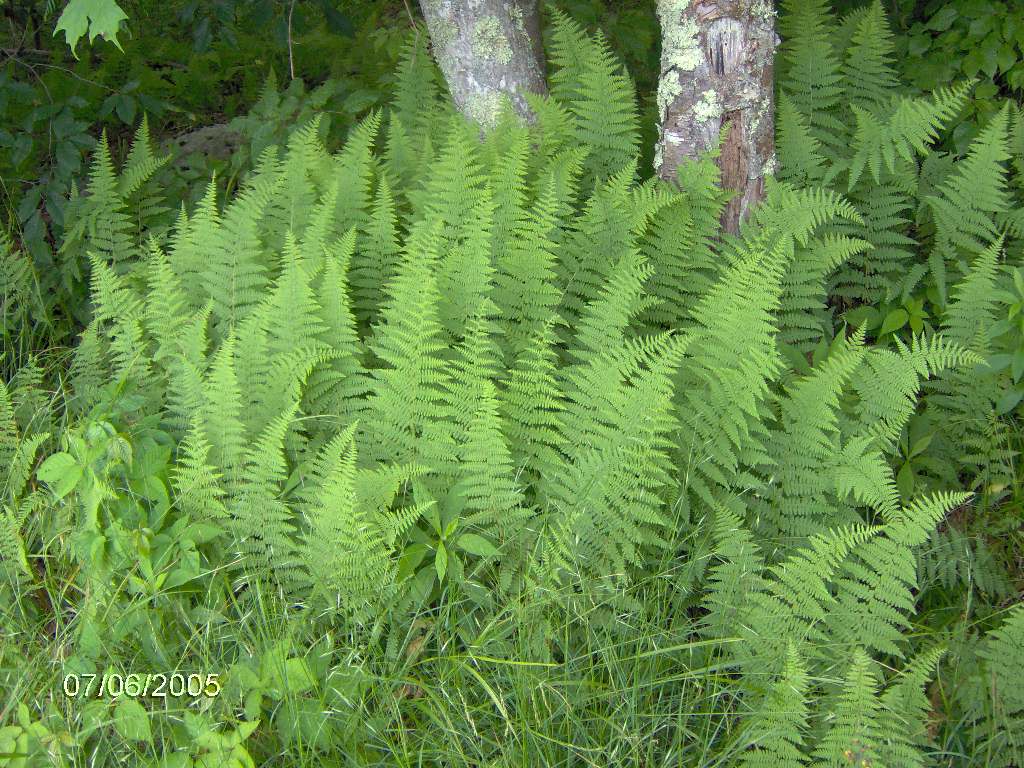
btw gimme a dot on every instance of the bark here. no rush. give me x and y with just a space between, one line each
488 50
717 64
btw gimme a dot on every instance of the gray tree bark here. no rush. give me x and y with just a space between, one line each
717 69
488 50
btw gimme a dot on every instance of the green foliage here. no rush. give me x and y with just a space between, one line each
965 38
99 17
466 451
184 67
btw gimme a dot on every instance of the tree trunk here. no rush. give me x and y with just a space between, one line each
717 72
487 50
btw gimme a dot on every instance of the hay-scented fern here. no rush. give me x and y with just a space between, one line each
482 451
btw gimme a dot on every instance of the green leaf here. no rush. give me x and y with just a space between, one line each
973 62
125 108
942 20
303 722
905 481
337 22
131 721
99 17
894 321
919 44
61 472
409 561
1009 401
421 585
476 545
985 90
441 562
1017 366
1006 57
919 447
200 533
298 678
855 318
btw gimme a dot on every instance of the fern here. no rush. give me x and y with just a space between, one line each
259 520
968 205
405 388
599 97
776 728
854 733
663 448
345 555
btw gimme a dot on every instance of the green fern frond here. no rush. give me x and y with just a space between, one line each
906 711
375 261
971 202
776 729
525 290
567 48
336 389
809 64
606 497
344 555
119 312
995 699
196 483
222 414
853 736
899 129
408 342
971 312
803 449
798 150
259 519
951 560
231 272
869 78
354 170
531 405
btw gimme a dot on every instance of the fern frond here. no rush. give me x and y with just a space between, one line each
408 342
259 519
344 555
809 63
853 736
776 729
375 261
803 449
196 483
869 77
971 202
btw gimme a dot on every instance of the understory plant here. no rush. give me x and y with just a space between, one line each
452 450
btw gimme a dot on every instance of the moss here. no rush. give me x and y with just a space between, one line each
489 40
708 108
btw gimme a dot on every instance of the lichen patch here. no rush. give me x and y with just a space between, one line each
489 40
679 44
708 108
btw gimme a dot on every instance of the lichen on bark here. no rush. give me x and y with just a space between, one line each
489 40
717 73
489 51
